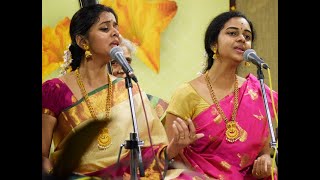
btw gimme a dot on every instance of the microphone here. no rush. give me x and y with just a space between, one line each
251 56
117 54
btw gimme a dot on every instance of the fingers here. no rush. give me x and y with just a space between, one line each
198 136
262 166
254 169
268 168
181 129
191 126
176 132
265 165
192 132
184 131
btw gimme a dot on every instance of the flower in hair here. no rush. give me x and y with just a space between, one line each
67 59
203 63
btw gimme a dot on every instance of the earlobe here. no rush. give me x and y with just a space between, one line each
81 42
213 47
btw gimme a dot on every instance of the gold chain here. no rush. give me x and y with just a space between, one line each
233 131
104 139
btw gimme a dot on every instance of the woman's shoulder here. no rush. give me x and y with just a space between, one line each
56 95
186 90
52 82
54 86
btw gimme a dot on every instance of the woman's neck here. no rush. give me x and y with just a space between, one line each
222 76
93 75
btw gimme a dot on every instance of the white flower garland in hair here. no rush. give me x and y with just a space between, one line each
67 59
203 63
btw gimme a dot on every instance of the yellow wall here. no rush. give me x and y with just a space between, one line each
182 47
54 11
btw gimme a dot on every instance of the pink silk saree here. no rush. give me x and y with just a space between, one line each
212 154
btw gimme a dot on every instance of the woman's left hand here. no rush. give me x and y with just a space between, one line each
184 134
262 166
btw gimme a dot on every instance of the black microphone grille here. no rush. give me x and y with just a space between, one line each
115 50
246 54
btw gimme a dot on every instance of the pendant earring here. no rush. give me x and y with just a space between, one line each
246 63
214 53
87 52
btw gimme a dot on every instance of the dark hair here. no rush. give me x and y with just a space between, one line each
214 29
80 24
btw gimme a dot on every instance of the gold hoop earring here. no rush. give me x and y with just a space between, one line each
246 63
87 52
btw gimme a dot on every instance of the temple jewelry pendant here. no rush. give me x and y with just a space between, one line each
104 139
232 132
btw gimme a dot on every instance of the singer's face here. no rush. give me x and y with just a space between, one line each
234 39
104 35
116 68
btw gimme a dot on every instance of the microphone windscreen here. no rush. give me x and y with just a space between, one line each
247 53
114 51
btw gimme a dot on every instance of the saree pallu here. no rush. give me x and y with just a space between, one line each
73 114
212 154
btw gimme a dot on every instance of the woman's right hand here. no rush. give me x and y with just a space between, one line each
184 134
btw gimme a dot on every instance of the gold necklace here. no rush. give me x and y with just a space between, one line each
233 131
104 139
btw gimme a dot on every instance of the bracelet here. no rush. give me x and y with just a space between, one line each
167 162
170 162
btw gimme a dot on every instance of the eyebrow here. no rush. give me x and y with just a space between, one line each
108 22
238 29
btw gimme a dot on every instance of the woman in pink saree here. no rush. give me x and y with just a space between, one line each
228 134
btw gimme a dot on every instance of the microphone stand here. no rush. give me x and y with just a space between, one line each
273 139
134 143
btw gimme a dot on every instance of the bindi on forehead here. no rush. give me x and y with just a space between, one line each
243 26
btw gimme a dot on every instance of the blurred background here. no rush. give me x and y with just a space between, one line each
175 42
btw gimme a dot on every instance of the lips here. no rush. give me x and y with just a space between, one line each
239 48
115 42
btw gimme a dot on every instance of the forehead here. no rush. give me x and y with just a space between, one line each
106 17
237 22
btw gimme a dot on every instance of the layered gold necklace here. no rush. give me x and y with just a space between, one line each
104 139
233 131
